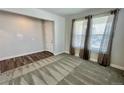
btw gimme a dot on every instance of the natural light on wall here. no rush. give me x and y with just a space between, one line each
19 35
24 22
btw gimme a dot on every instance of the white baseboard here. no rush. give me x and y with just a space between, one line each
18 55
66 52
59 53
117 66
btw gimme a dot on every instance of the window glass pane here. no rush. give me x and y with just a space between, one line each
97 32
79 33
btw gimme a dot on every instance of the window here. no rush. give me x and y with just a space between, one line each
97 32
92 37
79 33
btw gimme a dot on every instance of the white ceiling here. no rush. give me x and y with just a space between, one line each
65 11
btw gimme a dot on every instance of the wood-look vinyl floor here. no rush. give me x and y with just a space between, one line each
62 69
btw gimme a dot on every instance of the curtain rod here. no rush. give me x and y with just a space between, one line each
106 12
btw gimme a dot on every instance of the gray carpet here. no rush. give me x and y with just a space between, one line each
62 69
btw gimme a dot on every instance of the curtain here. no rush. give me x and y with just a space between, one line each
84 52
78 36
104 54
93 36
98 26
72 50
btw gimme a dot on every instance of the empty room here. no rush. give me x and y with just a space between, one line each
61 46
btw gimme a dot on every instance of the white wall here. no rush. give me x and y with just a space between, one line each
19 35
117 59
49 35
41 14
118 43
